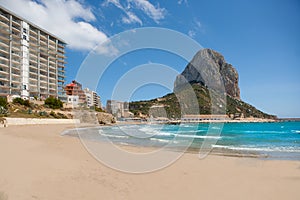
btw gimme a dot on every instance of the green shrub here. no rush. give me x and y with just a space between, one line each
3 111
3 102
53 103
96 109
43 113
21 101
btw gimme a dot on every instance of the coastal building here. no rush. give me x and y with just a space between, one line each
118 109
32 60
84 97
75 89
92 98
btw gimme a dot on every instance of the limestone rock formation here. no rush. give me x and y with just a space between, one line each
209 68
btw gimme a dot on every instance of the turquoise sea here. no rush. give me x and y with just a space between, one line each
279 140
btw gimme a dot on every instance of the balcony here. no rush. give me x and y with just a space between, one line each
4 17
43 73
33 80
60 45
52 42
33 88
52 83
61 76
33 72
43 36
61 55
4 50
34 45
33 83
43 87
15 21
15 80
52 48
43 49
52 62
61 51
4 30
4 77
16 61
33 69
32 57
43 60
4 91
3 71
15 71
4 37
16 30
16 48
62 61
33 32
3 59
15 74
2 24
4 44
15 56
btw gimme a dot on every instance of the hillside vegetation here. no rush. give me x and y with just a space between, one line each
175 109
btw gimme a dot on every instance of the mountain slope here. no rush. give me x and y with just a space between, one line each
208 85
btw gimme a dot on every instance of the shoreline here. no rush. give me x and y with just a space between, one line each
219 151
45 121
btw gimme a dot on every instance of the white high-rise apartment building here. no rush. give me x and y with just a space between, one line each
92 98
32 60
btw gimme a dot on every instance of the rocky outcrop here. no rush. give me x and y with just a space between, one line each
92 117
209 68
105 118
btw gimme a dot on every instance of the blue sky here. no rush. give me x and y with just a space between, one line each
259 38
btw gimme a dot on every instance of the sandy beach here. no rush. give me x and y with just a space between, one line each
38 163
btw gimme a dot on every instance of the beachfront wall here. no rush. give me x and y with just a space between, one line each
196 118
32 121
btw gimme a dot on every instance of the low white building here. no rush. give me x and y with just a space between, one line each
73 100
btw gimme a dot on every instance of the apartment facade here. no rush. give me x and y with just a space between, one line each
118 109
32 60
92 98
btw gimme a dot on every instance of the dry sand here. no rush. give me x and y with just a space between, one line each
38 163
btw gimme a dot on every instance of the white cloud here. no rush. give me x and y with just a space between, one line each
129 18
154 12
106 48
198 24
182 1
196 28
192 33
67 19
114 2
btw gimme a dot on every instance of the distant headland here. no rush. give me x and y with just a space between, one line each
207 73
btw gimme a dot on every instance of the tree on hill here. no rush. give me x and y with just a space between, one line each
53 103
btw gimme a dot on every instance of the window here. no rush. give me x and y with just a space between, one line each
24 37
24 30
24 87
